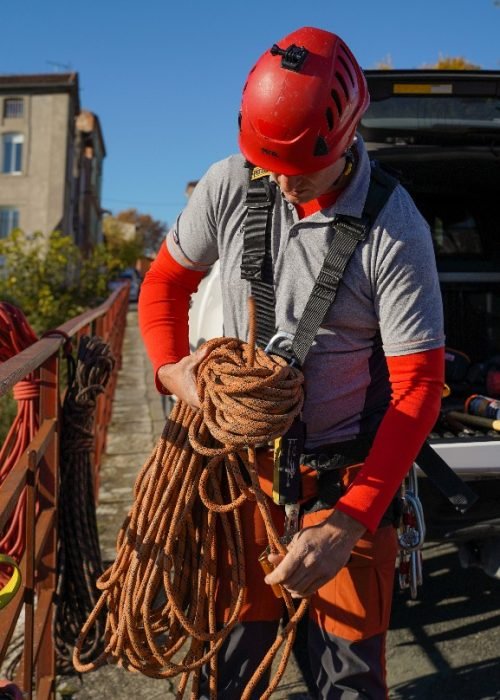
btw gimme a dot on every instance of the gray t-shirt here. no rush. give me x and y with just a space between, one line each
388 303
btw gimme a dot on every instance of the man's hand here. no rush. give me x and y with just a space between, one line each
315 555
179 378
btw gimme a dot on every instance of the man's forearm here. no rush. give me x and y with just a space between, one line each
417 384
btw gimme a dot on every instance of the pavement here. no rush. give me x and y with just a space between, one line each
445 644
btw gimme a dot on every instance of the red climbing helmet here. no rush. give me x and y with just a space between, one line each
301 103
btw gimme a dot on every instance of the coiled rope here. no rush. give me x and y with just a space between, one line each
16 335
79 557
160 591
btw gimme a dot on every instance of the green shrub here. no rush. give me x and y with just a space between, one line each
50 280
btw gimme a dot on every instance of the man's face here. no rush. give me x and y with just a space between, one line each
299 189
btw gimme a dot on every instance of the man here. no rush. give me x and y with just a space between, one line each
373 375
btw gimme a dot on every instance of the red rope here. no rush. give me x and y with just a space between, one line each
15 335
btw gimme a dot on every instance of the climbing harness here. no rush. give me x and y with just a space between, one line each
257 267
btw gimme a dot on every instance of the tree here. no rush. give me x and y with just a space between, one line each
123 247
49 279
385 63
150 232
453 63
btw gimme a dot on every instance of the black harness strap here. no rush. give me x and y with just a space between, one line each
256 262
257 267
348 232
458 493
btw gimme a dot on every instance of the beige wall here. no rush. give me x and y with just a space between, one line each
39 191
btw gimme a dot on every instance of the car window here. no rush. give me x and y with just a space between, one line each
456 228
428 112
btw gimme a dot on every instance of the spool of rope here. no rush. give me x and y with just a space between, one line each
79 556
160 591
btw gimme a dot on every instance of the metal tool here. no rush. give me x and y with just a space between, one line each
411 535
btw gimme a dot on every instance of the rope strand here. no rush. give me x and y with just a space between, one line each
160 591
79 556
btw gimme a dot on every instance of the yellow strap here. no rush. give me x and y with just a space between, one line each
276 474
12 586
257 173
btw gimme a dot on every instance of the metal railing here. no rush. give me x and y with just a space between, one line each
37 472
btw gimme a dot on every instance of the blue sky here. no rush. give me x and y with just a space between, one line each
165 77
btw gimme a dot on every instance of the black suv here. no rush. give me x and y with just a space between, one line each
440 132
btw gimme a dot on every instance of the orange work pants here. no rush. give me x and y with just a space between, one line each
354 605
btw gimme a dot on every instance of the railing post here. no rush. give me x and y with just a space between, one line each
26 669
49 487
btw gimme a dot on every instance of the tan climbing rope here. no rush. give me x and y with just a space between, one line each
160 591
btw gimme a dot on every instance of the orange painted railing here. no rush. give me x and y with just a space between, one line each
37 472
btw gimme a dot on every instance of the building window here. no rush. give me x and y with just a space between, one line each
12 161
9 219
13 108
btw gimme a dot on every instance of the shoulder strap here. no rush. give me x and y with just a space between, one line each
349 231
256 262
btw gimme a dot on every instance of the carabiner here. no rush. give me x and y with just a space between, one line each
281 344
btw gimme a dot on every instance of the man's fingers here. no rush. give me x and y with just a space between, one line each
283 570
199 355
276 559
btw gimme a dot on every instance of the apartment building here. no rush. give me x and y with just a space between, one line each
51 155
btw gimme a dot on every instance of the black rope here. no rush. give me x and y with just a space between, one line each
79 556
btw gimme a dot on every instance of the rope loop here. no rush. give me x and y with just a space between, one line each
160 592
26 390
247 406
